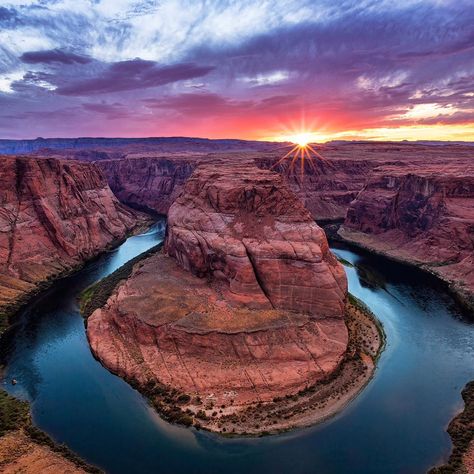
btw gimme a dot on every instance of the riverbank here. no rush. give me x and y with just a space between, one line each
10 310
26 449
311 405
23 447
461 430
316 403
464 296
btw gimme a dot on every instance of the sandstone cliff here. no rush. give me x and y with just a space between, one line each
148 182
243 226
422 215
54 215
246 303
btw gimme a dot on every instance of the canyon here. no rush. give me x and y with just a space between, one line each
225 295
411 202
423 215
245 305
54 215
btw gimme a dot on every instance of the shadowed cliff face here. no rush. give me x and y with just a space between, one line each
419 214
148 182
54 215
326 187
244 226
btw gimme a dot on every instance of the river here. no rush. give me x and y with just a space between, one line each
397 425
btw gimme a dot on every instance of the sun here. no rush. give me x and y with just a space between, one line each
302 151
301 139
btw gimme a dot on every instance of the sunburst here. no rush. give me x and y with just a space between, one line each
301 150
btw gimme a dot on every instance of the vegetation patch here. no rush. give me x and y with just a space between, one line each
14 413
96 295
345 262
461 430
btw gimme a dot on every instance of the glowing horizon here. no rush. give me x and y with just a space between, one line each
407 133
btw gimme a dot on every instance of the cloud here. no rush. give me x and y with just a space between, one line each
8 16
133 74
242 65
207 104
53 56
112 111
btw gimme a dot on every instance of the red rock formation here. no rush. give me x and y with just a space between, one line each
243 226
166 325
148 182
422 215
152 181
54 215
248 305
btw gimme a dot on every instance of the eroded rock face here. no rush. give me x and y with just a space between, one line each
153 177
246 303
148 182
422 216
243 226
54 215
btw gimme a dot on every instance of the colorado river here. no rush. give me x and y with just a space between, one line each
397 425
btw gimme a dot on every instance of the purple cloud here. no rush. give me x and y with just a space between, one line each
53 56
134 74
350 64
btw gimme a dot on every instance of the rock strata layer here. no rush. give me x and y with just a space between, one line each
246 303
244 227
421 216
54 215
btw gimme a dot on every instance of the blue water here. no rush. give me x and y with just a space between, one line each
397 425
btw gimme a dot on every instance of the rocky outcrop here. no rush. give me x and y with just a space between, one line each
422 215
246 303
461 431
165 325
54 215
243 226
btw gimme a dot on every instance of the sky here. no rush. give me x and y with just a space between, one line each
251 69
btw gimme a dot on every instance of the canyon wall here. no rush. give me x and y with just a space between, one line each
326 186
422 215
54 215
152 181
148 182
242 225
